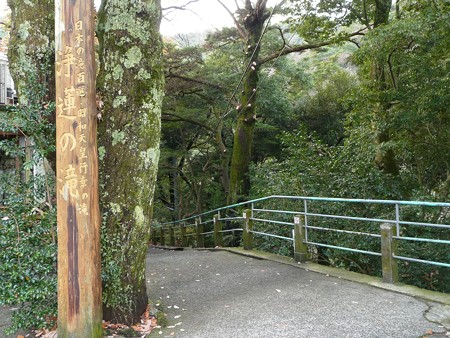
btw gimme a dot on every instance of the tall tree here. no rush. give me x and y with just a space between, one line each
31 63
406 102
385 156
322 19
31 48
31 57
130 85
251 23
194 141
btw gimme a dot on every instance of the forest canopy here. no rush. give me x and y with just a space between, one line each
341 98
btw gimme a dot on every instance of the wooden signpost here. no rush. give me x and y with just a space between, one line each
79 279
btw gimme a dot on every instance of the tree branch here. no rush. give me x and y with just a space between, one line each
301 48
182 7
177 118
281 35
236 23
391 72
188 79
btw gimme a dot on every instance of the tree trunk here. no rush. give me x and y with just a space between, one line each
130 83
253 24
224 157
384 158
31 50
31 56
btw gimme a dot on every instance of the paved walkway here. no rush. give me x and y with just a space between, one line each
219 294
5 318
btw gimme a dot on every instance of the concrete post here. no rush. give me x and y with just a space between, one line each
247 235
388 249
199 231
300 248
184 242
171 236
162 239
218 238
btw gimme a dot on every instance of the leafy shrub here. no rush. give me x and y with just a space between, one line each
312 168
27 255
28 249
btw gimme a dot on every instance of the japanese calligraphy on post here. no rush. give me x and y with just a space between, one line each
79 276
71 107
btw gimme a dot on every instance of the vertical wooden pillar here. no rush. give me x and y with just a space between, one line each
247 236
79 279
171 236
162 239
154 236
184 241
388 248
218 238
199 235
300 248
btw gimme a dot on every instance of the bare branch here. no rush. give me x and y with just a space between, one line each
171 9
177 118
391 71
301 48
281 35
236 23
355 42
185 78
182 7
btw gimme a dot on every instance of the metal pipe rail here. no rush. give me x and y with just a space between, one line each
308 226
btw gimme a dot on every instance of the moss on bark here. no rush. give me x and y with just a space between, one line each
31 54
253 24
31 47
130 83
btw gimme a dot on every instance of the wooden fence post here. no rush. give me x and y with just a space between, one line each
300 248
388 249
171 236
199 233
162 239
247 235
184 241
218 238
79 267
154 236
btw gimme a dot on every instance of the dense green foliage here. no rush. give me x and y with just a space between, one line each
414 51
319 118
329 121
28 216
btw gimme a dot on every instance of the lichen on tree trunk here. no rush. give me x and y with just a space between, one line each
253 25
31 56
243 141
31 46
130 83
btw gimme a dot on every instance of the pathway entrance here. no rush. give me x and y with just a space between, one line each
208 294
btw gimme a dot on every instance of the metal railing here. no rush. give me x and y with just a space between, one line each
308 222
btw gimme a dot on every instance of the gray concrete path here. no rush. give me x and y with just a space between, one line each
220 294
5 322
